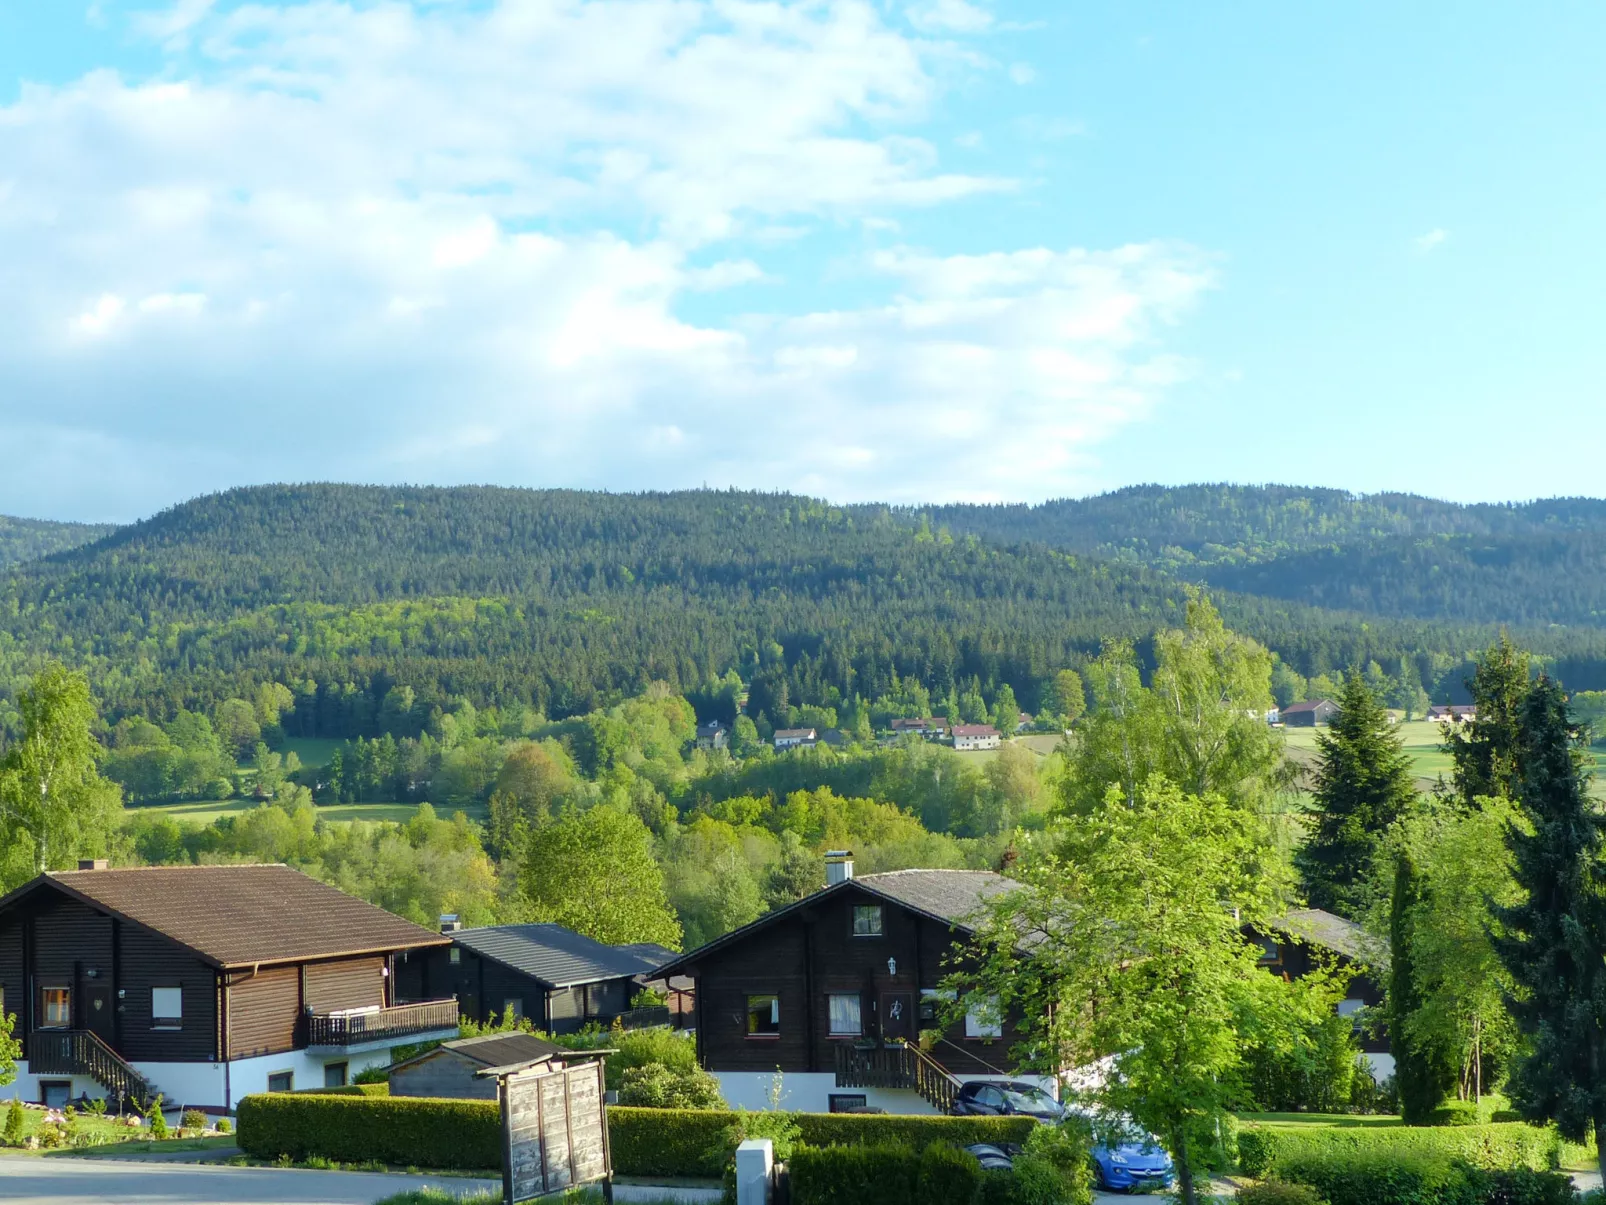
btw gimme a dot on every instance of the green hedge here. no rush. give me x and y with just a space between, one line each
346 1090
887 1174
354 1126
412 1131
847 1129
1263 1151
1373 1178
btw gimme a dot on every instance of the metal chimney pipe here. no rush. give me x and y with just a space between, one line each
838 866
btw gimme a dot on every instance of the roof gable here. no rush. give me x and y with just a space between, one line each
238 915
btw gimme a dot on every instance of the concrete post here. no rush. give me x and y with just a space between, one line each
755 1167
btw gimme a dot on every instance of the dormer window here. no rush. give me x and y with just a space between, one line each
867 920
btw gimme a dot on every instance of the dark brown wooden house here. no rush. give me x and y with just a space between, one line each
555 977
1305 938
834 991
204 983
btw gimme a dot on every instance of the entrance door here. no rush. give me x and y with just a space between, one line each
897 1016
98 1018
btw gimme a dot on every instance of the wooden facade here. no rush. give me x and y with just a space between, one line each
484 986
93 991
811 953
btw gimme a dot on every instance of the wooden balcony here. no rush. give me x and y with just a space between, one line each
380 1026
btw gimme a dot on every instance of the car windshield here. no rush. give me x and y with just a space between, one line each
1031 1099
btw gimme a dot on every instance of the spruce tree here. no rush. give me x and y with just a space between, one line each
1554 943
1484 752
1363 785
1422 1072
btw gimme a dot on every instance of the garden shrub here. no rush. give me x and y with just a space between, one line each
363 1088
1055 1168
1265 1150
158 1119
1278 1192
655 1086
193 1119
1456 1113
15 1123
372 1075
948 1175
225 1126
634 1048
851 1175
998 1188
1373 1178
1521 1186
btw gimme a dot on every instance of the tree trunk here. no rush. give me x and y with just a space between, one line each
1185 1190
1600 1131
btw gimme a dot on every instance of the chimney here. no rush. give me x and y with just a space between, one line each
93 864
838 866
450 923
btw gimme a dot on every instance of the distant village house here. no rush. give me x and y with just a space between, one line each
712 735
1310 713
976 736
1452 713
794 738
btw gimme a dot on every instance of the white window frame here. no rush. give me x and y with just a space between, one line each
838 1027
161 1019
984 1017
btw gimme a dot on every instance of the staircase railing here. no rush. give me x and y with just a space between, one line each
82 1052
896 1066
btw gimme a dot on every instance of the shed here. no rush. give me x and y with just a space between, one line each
1310 713
452 1068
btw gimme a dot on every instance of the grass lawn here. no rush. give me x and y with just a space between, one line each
104 1136
1422 739
312 750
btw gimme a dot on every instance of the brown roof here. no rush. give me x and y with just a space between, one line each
975 730
241 915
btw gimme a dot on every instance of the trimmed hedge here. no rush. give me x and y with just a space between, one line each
948 1176
353 1126
888 1174
1265 1151
667 1142
412 1131
845 1129
346 1090
1381 1179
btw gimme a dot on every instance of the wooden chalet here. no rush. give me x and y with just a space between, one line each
557 978
834 992
1305 938
204 983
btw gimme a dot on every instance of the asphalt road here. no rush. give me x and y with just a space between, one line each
28 1180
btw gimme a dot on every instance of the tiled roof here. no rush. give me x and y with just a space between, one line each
560 957
794 734
955 896
1308 705
974 730
240 915
1332 932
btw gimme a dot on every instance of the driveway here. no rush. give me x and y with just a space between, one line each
28 1180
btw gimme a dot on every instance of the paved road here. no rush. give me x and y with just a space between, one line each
64 1181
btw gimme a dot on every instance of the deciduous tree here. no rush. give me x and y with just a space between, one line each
593 871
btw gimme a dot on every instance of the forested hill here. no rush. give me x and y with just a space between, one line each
565 601
30 539
1536 563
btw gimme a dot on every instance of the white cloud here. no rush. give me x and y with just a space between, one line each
444 243
1022 73
955 16
1431 241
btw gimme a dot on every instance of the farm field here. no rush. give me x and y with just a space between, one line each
1428 760
206 811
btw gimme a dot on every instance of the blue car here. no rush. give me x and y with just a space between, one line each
1126 1159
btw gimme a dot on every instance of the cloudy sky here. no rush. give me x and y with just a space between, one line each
890 249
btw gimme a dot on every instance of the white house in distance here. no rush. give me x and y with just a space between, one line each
1452 713
793 738
976 736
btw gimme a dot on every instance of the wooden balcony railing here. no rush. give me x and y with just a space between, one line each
381 1024
645 1018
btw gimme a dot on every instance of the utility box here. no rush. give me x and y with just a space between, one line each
755 1171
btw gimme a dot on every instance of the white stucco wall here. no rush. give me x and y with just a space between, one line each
811 1092
201 1085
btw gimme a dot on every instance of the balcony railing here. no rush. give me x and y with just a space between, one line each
381 1024
80 1052
645 1018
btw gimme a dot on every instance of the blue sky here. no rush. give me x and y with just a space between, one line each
902 250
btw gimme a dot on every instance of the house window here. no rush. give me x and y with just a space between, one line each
1270 952
513 1009
763 1016
867 920
167 1007
57 1008
282 1081
841 1102
984 1019
55 1093
846 1021
455 956
334 1075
